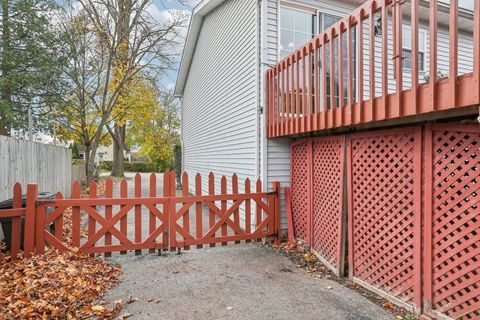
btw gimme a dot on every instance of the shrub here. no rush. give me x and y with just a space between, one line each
130 166
177 162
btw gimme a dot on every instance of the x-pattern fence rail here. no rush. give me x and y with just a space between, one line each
176 219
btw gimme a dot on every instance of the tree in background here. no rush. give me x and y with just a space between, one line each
113 46
75 154
157 134
30 60
143 49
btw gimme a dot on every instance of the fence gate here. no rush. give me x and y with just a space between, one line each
126 220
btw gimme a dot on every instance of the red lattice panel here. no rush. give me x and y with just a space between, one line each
456 223
383 200
328 156
299 185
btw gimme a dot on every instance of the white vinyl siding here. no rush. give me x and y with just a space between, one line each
277 153
219 106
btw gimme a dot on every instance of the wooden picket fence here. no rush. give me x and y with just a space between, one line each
176 218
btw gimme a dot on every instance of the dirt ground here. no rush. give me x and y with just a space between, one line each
246 281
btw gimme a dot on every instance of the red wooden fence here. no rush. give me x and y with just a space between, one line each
413 215
175 218
298 99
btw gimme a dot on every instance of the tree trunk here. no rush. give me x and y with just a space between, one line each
5 94
89 164
124 12
118 167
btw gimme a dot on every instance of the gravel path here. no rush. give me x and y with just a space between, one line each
247 281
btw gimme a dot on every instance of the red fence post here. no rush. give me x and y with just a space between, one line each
428 218
276 213
16 221
186 215
29 241
288 204
198 209
76 216
417 251
152 218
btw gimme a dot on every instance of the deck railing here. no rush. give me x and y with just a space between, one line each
316 88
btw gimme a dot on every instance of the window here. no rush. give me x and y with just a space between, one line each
296 28
407 48
326 21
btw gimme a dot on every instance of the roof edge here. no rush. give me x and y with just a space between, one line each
203 8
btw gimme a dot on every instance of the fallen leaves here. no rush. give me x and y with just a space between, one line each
56 285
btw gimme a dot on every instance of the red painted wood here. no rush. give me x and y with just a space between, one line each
476 48
91 222
248 208
384 59
198 208
433 55
414 46
258 215
275 227
331 42
211 191
30 220
75 215
428 219
309 91
59 220
138 212
16 221
350 67
455 91
223 191
371 105
418 226
453 52
108 212
236 214
185 193
360 34
288 204
123 221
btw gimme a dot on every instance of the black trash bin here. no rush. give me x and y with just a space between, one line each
7 222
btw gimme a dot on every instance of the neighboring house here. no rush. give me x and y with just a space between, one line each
231 44
267 93
104 153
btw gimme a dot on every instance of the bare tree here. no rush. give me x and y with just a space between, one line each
111 42
142 45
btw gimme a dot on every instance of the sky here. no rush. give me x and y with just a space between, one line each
160 10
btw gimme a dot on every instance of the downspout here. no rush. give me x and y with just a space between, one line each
261 143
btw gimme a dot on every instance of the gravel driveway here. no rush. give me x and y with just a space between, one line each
246 281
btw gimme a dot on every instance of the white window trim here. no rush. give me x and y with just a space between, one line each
409 47
293 6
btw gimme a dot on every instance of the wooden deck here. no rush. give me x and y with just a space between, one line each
297 106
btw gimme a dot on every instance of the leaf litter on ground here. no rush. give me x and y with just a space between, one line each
57 285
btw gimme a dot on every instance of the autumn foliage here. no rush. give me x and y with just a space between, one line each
56 285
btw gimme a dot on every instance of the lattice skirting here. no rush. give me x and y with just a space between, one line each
412 197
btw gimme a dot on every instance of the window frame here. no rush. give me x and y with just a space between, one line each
297 7
409 48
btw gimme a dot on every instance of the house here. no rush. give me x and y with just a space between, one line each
383 172
104 153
